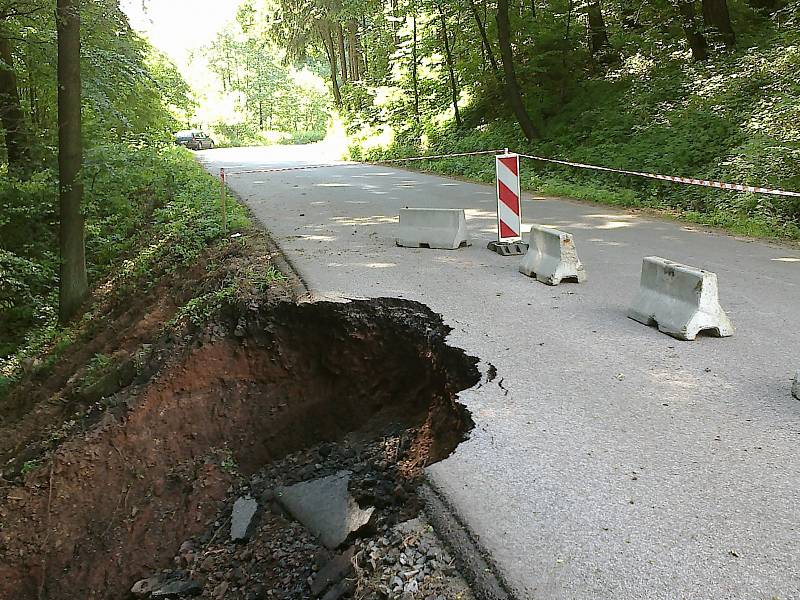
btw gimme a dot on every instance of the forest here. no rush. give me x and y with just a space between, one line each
695 88
275 100
134 186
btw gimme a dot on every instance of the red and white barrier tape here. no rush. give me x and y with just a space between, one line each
301 168
432 157
687 180
351 164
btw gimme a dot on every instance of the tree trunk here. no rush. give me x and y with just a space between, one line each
11 116
513 93
355 51
330 50
598 35
718 18
692 30
484 37
73 287
342 51
364 47
394 23
34 114
414 77
450 65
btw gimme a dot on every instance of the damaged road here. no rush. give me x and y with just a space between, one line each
615 463
180 486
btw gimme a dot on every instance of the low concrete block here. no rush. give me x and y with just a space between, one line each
552 257
444 228
796 385
681 300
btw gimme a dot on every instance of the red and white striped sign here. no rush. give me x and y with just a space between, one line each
509 208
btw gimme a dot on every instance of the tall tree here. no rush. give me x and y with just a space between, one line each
414 59
73 282
693 30
487 46
342 52
598 35
354 50
11 115
718 19
448 53
324 30
512 89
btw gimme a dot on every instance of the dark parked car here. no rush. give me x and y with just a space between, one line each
194 140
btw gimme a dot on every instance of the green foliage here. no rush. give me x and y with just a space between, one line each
148 205
642 105
200 309
148 208
128 88
228 463
244 134
29 465
273 101
96 368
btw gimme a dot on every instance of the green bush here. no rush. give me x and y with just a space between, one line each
734 118
146 205
244 134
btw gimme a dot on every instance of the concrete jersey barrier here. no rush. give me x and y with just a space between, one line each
552 257
433 228
680 299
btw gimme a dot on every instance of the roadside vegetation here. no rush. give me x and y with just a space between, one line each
153 215
148 205
706 89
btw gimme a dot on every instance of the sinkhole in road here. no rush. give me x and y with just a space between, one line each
262 383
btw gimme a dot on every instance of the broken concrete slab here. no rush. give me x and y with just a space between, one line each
336 569
340 590
244 509
325 507
178 589
796 385
143 587
175 584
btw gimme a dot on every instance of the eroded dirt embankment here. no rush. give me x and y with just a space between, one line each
115 501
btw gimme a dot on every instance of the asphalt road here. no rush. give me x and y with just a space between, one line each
609 461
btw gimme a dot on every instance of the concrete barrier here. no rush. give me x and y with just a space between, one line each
552 257
681 300
433 228
796 385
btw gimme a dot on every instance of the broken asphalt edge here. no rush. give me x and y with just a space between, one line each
473 561
474 564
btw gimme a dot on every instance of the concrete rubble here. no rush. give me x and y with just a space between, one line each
325 507
244 509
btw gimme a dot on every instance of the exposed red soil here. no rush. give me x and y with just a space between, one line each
115 501
122 321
